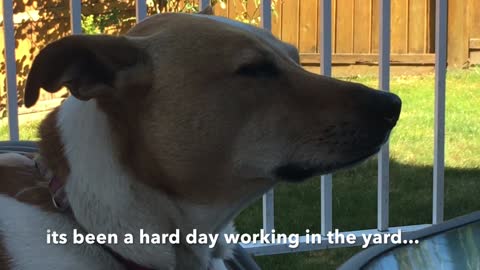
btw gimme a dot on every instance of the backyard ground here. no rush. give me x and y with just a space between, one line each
297 207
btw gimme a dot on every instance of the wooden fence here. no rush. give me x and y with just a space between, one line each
354 31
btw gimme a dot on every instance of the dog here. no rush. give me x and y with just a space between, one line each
178 124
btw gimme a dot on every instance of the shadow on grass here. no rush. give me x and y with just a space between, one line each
297 207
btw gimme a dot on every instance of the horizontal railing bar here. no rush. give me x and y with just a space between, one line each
271 249
370 59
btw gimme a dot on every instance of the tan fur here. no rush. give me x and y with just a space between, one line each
181 129
51 147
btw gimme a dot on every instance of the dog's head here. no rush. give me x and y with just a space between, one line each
211 109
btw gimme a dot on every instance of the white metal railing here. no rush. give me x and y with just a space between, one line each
325 22
11 70
268 211
439 129
325 27
75 17
383 198
383 156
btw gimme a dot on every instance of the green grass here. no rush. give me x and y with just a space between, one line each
28 130
297 207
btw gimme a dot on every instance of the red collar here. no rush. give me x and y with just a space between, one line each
129 265
56 187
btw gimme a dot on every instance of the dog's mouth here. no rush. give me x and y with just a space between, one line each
299 171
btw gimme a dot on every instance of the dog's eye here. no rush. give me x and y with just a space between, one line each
257 69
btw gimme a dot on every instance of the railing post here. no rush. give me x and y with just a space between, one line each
384 84
266 15
268 198
203 4
76 16
268 211
439 133
326 204
11 69
140 10
326 70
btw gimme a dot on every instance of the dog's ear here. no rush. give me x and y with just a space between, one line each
207 11
89 66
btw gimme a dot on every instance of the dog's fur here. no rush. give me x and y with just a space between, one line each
180 123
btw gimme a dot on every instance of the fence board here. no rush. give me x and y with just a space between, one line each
344 27
399 26
474 7
219 11
334 26
430 26
308 26
375 27
252 10
417 26
362 26
230 9
290 21
457 33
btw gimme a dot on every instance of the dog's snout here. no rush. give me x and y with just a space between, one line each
388 108
380 106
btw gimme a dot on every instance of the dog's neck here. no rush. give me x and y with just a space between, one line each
105 197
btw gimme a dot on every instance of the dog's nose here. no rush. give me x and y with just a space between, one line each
388 107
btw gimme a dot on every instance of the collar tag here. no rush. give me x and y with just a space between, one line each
55 185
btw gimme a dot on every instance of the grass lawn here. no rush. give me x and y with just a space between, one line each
297 207
28 130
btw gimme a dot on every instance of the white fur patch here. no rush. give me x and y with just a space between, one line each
102 195
24 229
105 197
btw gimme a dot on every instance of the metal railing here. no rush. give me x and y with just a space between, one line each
325 34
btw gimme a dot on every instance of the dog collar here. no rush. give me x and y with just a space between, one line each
129 265
56 186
